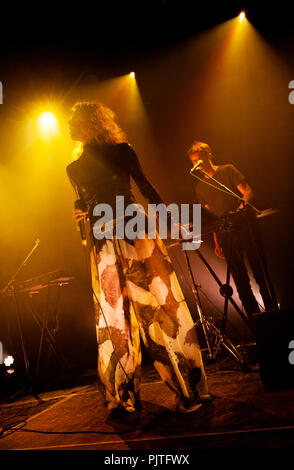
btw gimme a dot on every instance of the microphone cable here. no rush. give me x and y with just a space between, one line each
87 256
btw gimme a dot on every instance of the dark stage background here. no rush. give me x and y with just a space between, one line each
199 75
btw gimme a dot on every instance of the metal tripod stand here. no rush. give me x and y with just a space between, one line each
215 339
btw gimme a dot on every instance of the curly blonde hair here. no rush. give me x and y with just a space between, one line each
97 123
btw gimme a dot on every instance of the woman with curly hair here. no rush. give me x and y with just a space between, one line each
134 285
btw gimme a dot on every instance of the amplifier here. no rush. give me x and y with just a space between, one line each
274 332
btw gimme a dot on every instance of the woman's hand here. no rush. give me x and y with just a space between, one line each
79 215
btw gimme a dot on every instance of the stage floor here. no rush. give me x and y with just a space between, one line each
243 415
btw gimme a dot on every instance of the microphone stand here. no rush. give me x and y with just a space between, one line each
224 188
226 290
227 190
12 280
213 336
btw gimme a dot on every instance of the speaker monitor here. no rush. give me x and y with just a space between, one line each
275 347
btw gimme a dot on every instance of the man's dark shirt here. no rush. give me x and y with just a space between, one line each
218 202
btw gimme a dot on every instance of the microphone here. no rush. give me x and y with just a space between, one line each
80 206
196 167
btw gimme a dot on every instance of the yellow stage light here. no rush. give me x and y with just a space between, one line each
241 17
47 124
132 74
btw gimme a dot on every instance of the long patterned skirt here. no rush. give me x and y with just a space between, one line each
136 291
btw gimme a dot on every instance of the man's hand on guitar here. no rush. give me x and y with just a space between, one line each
217 248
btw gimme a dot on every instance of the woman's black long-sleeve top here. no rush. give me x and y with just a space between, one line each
104 172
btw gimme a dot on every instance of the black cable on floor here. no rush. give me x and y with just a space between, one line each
12 429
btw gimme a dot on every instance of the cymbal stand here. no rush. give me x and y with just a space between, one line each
214 338
225 290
